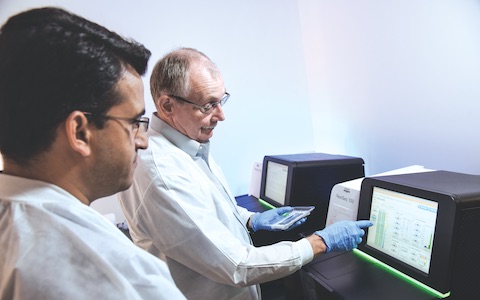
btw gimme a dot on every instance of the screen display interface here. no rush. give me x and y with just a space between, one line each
276 182
403 227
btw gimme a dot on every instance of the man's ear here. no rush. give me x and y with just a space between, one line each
78 133
165 104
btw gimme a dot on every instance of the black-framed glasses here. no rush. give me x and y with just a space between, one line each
138 124
207 108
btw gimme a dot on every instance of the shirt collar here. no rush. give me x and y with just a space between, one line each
186 144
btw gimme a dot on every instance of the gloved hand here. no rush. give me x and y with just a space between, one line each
265 219
343 235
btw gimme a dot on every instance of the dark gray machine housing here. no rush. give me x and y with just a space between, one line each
310 179
455 262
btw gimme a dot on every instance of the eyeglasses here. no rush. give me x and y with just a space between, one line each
135 122
207 108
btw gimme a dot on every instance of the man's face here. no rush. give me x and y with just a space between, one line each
190 120
117 144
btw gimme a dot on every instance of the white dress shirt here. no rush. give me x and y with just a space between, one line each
52 246
180 205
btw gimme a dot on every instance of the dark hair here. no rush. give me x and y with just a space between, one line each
53 62
171 73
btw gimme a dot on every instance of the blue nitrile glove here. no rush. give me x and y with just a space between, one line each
343 235
265 219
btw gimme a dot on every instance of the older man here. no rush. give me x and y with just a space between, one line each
180 204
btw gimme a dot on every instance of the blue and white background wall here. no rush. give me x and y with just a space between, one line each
394 82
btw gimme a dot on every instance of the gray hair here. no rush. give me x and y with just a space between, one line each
171 73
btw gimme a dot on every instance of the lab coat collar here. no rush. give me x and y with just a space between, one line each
189 146
33 191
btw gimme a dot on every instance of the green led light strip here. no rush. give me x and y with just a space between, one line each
265 203
403 275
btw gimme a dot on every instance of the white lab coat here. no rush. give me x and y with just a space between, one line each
178 208
52 246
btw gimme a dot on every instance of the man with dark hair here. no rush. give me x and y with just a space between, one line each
71 106
180 205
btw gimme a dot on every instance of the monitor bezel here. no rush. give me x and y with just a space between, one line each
444 236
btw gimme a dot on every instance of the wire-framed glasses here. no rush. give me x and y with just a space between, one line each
207 108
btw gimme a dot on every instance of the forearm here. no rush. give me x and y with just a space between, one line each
271 262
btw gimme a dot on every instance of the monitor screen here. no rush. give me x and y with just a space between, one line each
276 182
404 227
